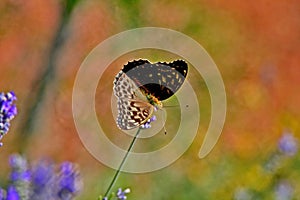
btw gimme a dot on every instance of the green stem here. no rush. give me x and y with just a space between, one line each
122 163
46 77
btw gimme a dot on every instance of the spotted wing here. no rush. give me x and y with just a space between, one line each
161 80
132 111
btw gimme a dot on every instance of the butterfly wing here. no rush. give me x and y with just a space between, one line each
132 111
140 77
161 80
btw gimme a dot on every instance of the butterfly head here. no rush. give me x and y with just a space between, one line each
154 101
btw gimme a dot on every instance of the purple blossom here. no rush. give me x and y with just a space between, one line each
2 194
284 191
8 111
153 118
20 171
121 195
43 180
12 194
17 161
69 181
20 176
288 144
147 124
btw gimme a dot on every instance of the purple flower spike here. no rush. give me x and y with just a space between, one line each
42 173
69 181
288 144
12 112
284 191
153 118
11 96
147 124
20 177
17 161
12 194
121 195
43 181
7 111
20 171
2 194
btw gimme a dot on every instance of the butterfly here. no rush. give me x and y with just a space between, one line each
141 86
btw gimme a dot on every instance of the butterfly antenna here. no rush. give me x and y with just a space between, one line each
165 130
173 106
164 115
164 119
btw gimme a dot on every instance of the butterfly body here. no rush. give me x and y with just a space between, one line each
141 86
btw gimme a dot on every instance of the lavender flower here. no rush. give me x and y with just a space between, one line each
69 181
148 123
153 118
288 144
43 181
8 111
284 191
19 168
12 194
121 195
20 177
2 194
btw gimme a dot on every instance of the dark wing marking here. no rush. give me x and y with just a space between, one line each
161 80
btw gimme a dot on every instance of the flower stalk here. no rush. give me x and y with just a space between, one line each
121 164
